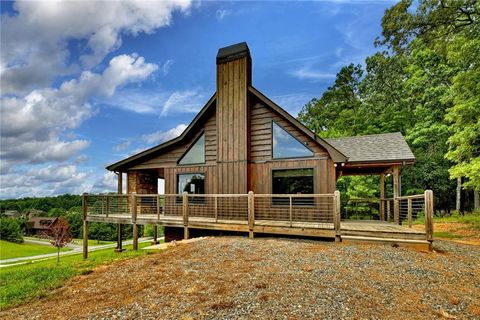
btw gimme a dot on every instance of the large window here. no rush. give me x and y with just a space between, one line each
287 146
193 183
196 153
292 181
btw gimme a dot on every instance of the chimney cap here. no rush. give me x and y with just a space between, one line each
233 52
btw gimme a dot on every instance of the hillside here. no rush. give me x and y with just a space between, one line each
270 278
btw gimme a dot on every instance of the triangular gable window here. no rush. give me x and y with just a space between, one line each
287 146
196 153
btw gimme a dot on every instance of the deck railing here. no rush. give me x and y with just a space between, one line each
278 207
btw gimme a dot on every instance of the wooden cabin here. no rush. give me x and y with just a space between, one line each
242 142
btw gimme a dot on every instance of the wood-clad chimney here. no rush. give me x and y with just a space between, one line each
234 66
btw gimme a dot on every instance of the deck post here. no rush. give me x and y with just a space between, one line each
158 208
291 211
409 212
85 225
337 216
185 214
155 235
396 194
119 199
251 213
382 197
215 198
134 220
429 217
119 247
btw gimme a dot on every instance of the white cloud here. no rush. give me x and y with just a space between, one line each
107 183
293 102
182 101
30 126
221 14
166 66
38 181
35 41
122 146
307 73
162 136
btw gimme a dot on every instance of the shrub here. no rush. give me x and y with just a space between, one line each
10 230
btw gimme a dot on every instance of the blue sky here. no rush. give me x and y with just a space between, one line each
86 84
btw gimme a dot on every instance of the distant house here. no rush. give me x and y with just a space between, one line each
12 214
40 225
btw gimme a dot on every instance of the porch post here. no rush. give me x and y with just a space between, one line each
396 194
382 197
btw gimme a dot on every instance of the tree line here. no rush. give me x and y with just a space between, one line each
424 82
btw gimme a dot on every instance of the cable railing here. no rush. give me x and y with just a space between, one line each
410 209
218 207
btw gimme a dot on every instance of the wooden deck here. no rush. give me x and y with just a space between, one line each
254 214
360 228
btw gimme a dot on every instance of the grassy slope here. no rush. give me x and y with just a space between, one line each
91 242
20 284
10 250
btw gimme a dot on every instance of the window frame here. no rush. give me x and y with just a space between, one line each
314 171
201 200
303 144
202 133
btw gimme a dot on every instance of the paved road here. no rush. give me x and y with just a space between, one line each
75 250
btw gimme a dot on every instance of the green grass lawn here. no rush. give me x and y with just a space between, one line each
473 219
20 284
10 250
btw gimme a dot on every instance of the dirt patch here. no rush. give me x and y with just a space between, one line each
238 278
455 231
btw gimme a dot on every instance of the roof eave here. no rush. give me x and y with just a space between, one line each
120 165
334 153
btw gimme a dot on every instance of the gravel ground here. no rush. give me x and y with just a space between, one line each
265 278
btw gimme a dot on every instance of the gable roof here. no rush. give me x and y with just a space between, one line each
122 164
336 155
42 223
376 147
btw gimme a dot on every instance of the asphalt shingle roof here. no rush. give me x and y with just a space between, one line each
375 147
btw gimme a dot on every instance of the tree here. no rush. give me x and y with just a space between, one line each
59 234
10 230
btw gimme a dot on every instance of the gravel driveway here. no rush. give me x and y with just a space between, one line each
265 278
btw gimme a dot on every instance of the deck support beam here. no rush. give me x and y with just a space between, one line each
85 225
119 247
134 221
119 226
155 235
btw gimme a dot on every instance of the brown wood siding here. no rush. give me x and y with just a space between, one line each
261 134
232 148
170 157
324 174
208 170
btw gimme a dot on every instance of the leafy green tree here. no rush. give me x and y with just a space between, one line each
10 230
464 115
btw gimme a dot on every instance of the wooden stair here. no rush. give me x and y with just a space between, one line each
418 243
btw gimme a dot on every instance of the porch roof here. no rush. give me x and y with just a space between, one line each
383 147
